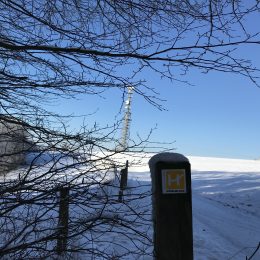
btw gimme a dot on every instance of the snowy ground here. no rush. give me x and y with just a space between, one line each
226 211
226 206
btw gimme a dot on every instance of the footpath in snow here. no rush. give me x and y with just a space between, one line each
226 206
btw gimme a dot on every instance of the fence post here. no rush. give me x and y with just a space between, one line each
172 208
115 171
63 227
123 182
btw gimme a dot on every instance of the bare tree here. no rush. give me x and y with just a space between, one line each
64 48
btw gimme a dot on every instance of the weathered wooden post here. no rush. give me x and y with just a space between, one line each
172 206
63 227
123 182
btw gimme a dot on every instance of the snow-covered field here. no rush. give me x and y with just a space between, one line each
226 206
226 211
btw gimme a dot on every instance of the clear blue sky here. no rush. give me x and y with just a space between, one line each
218 117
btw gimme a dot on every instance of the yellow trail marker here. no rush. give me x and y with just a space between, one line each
173 181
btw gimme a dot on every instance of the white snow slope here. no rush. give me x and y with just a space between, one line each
226 211
226 206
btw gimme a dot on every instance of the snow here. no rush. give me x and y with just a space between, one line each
167 157
226 210
226 206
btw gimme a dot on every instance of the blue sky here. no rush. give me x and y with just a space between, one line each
219 116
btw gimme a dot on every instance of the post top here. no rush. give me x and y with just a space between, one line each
168 158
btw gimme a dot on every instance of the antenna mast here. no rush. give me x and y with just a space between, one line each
127 119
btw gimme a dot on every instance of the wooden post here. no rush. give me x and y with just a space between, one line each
115 171
63 220
172 207
123 182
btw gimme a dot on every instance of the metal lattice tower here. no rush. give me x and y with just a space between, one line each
127 120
